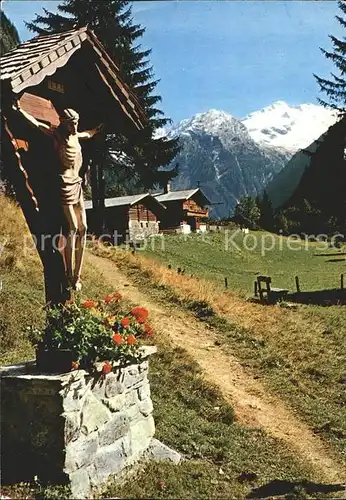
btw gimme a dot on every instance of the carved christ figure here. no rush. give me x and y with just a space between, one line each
66 142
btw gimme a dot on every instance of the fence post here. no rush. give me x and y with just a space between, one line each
256 288
297 284
226 282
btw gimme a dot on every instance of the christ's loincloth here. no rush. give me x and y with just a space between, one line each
70 194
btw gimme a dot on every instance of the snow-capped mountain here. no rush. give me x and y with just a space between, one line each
213 122
218 151
289 127
231 158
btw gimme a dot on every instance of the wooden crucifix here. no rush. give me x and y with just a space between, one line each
64 75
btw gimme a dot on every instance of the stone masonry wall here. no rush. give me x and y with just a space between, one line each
139 232
75 428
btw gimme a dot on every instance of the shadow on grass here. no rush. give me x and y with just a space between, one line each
333 297
280 487
339 254
319 297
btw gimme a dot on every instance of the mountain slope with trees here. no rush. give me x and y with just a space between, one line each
284 183
9 37
318 204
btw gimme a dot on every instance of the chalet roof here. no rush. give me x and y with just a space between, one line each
123 201
34 60
181 195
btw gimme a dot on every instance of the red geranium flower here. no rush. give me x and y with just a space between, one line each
148 331
107 368
117 338
140 313
125 322
89 304
131 339
113 297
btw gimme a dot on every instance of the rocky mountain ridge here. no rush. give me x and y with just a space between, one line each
230 158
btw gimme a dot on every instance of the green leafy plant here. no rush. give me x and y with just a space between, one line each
94 331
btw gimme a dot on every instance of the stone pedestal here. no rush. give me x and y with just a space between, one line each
74 428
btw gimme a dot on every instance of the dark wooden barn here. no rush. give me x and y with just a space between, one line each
130 218
50 73
186 210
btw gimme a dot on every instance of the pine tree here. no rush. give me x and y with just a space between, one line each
247 211
282 225
335 88
112 23
9 37
266 220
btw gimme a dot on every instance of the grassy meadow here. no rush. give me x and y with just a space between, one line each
22 291
298 352
222 458
214 256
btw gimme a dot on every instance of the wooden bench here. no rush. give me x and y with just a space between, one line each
273 295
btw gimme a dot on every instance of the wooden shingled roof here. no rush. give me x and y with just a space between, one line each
182 195
31 62
121 201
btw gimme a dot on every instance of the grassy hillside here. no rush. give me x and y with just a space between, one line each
298 353
21 296
22 292
223 459
214 256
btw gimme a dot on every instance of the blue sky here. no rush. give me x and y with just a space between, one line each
238 56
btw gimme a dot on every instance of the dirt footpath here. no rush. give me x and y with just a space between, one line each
252 404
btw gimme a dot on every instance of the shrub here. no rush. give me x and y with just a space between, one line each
94 331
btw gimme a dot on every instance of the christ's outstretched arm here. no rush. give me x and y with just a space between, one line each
88 134
36 123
